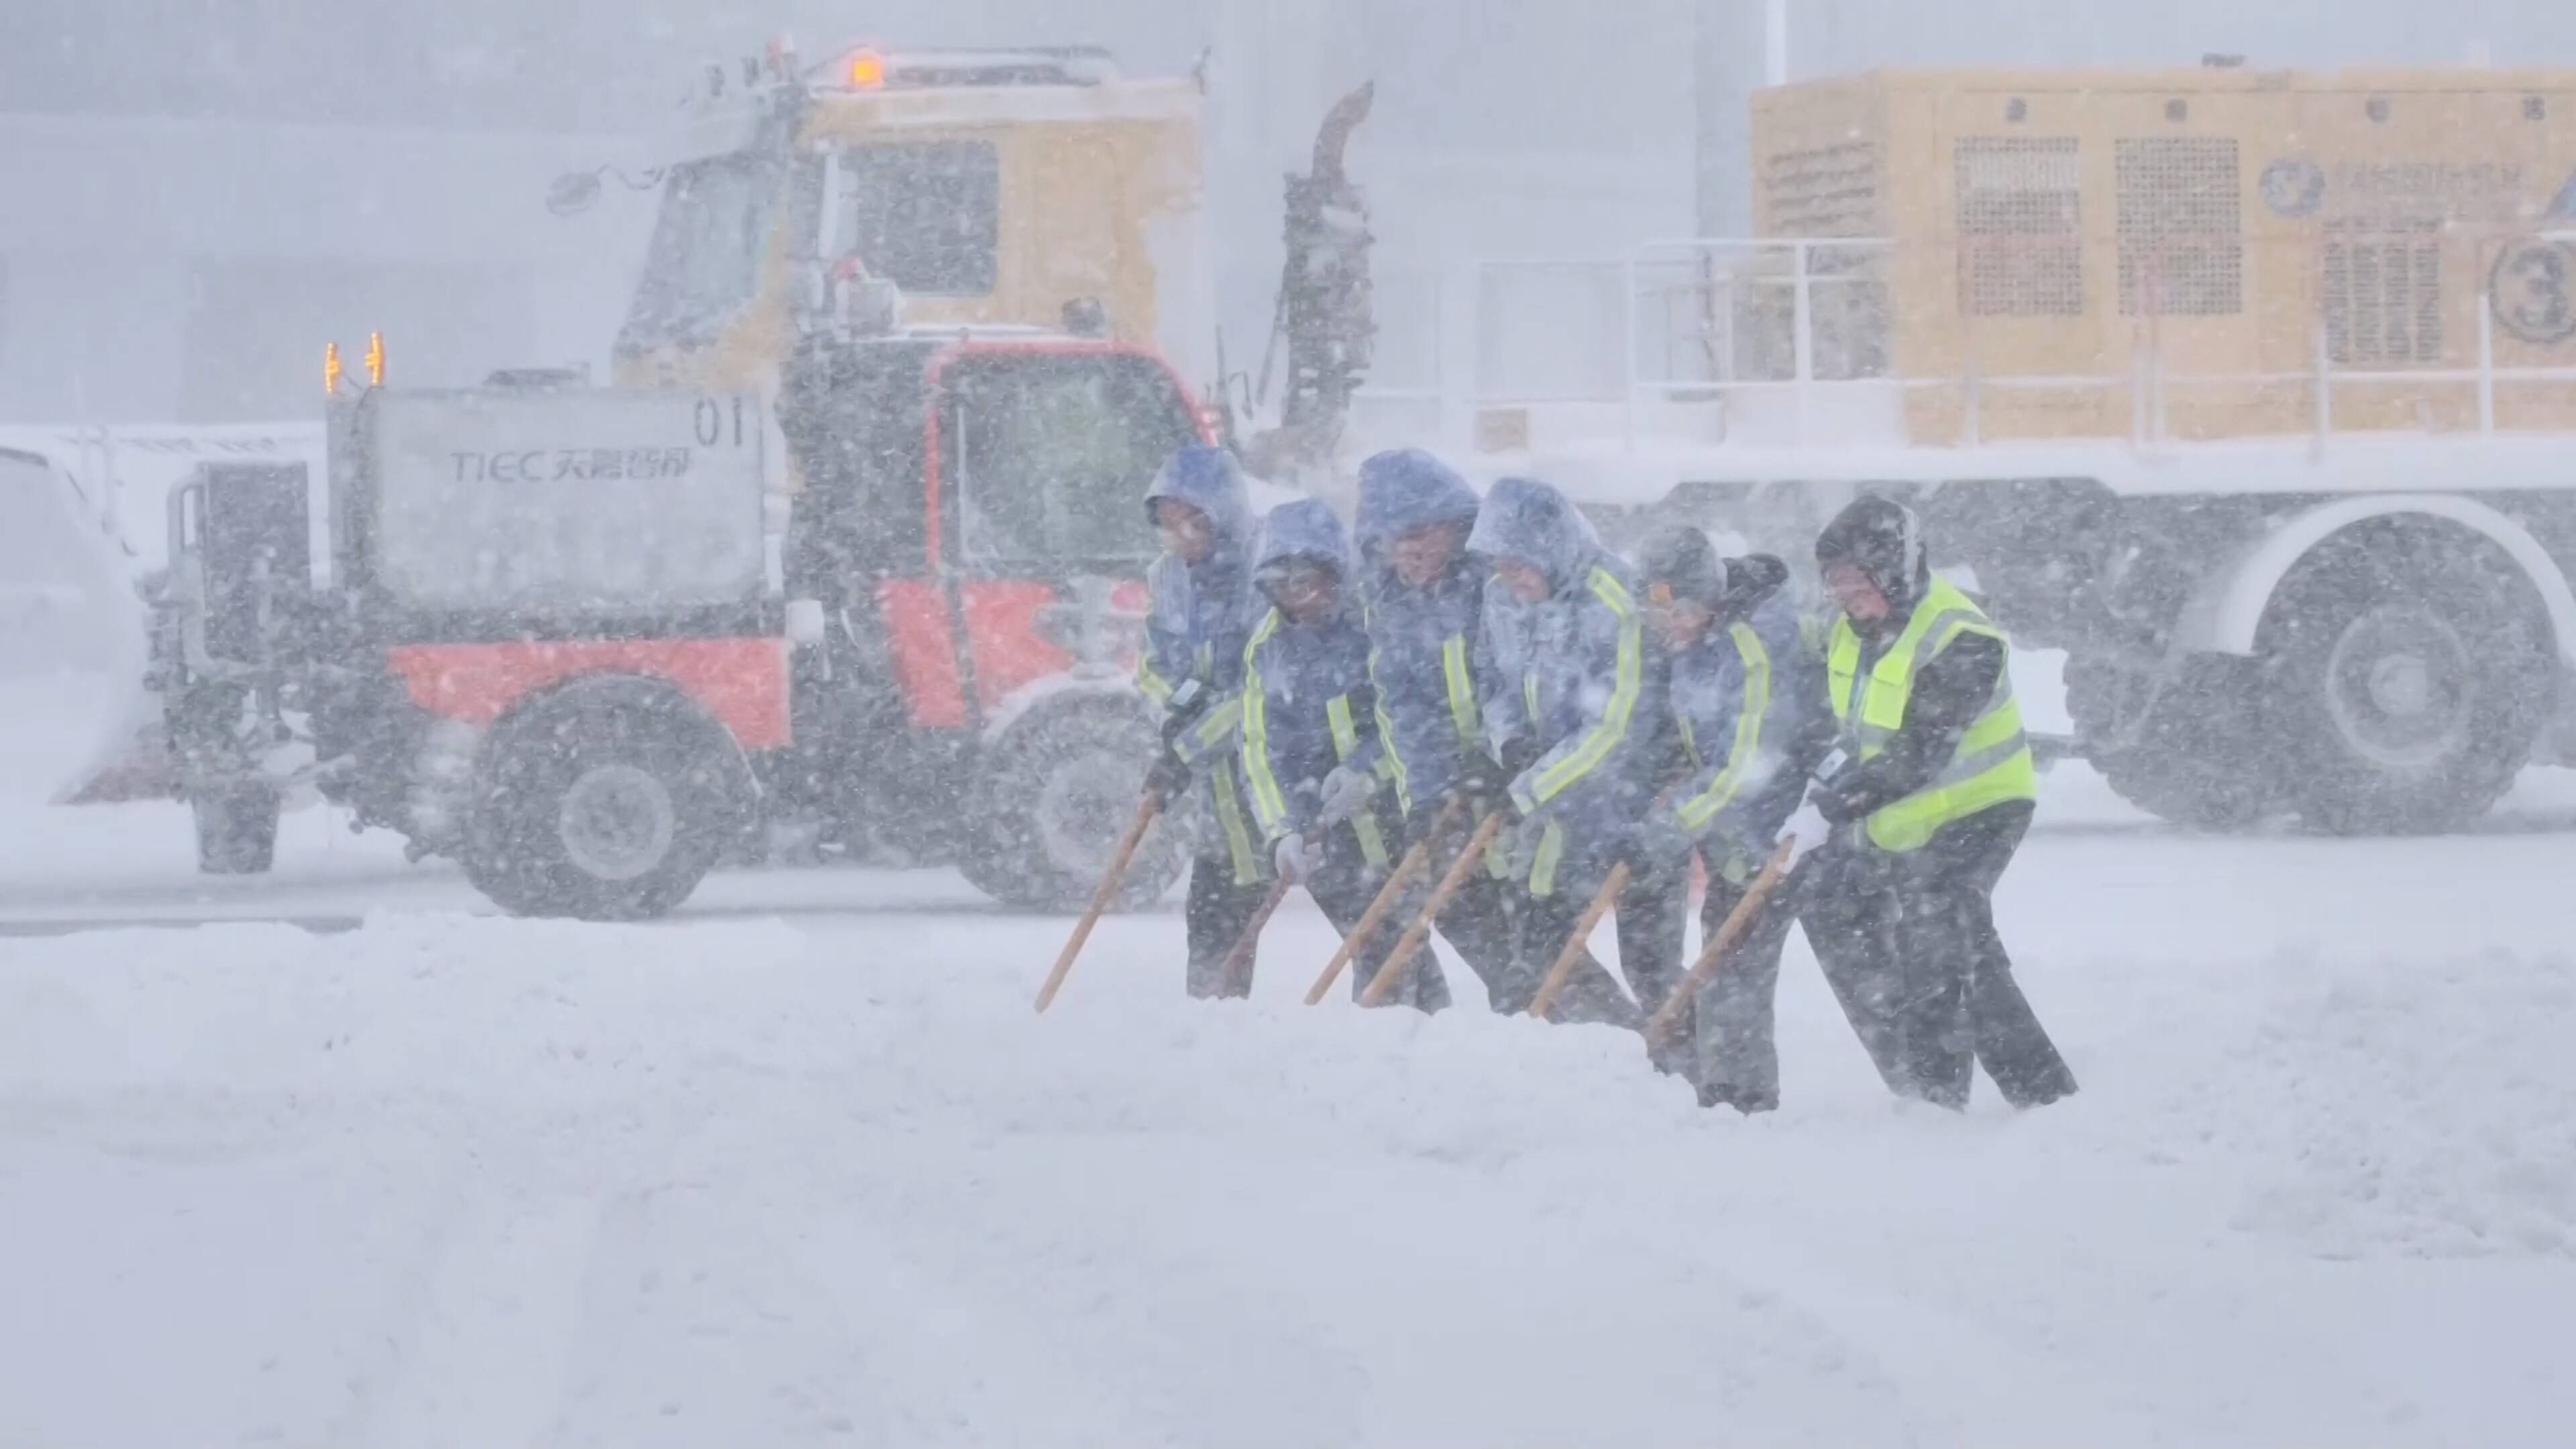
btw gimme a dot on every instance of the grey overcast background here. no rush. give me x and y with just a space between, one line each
195 193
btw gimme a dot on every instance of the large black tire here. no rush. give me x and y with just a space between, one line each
1052 798
2411 670
2198 757
608 800
236 828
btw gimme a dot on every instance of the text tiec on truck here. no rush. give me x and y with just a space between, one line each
579 639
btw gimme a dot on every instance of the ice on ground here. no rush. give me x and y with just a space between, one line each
454 1180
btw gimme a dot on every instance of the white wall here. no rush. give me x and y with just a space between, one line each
192 270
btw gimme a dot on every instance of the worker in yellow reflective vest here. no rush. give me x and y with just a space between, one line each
1918 811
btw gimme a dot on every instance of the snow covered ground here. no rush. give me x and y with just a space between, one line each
803 1167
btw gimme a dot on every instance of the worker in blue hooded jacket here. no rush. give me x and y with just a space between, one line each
1745 686
1569 642
1430 669
1196 625
1310 733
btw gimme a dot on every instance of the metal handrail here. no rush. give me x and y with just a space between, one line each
2148 382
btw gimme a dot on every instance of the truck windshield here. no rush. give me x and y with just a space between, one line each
927 217
704 264
1056 455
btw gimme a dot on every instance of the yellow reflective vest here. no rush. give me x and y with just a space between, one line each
1992 762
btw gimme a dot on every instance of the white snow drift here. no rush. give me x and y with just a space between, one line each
450 1180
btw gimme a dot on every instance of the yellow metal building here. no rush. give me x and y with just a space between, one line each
2185 254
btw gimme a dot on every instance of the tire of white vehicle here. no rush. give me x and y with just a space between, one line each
608 800
2197 759
1052 798
236 828
2411 668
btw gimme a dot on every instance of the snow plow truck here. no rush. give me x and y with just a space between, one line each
583 641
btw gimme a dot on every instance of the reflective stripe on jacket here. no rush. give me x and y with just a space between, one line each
1991 763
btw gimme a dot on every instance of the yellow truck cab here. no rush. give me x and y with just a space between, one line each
1033 188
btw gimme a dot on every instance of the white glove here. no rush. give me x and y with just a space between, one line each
1290 858
1804 831
1344 791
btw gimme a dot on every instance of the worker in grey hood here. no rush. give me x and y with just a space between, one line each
1198 618
1568 640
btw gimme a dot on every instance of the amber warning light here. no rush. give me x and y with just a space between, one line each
375 359
867 69
330 369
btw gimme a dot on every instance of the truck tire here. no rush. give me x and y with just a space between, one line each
236 828
1054 794
2197 758
606 801
2411 670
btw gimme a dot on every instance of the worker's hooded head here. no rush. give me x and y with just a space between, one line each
1407 489
1884 540
1527 522
1208 479
1300 533
1680 562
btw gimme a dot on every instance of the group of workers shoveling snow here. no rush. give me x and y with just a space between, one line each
1483 687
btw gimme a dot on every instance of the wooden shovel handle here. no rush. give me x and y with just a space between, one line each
1110 880
1472 856
1738 921
1563 968
1365 930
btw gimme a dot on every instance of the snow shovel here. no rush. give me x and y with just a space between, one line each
1563 969
1738 921
1110 880
1366 929
1473 855
1235 976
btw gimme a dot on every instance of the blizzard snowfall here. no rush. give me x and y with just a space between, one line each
803 1167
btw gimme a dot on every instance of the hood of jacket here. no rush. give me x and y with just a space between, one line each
1407 489
1529 522
1305 529
1209 480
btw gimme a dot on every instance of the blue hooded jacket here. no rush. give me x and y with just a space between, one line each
1196 624
1428 656
1201 612
1748 700
1572 665
1305 686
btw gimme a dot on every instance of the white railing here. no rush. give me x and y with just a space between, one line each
1791 341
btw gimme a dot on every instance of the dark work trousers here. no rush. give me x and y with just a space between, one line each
1721 1040
1218 910
1908 941
1476 922
1344 885
1540 928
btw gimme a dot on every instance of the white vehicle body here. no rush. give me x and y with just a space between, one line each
2141 555
81 536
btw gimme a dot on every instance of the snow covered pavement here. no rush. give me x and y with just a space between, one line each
446 1179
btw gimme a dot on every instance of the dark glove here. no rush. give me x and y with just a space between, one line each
1169 780
1183 710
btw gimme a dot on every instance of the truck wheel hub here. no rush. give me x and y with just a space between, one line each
1084 804
2400 686
617 822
